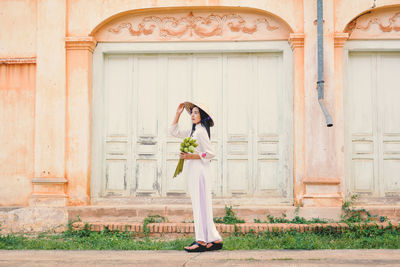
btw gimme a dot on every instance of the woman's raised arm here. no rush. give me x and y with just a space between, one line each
174 129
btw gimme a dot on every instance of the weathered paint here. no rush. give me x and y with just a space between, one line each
57 108
17 125
18 29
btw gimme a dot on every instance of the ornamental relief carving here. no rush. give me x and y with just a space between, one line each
377 24
190 26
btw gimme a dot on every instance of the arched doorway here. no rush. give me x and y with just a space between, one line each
146 64
372 113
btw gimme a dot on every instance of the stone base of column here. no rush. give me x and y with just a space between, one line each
50 192
322 192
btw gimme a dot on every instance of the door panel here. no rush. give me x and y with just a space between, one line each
178 69
116 102
272 131
147 86
268 98
117 95
238 90
363 123
145 109
116 175
389 88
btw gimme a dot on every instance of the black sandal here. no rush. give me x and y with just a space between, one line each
200 248
215 246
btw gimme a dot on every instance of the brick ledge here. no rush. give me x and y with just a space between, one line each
188 228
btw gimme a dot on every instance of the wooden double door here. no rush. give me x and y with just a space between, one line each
252 136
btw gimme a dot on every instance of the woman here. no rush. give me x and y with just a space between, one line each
199 180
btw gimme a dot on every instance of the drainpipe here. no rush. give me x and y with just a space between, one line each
320 82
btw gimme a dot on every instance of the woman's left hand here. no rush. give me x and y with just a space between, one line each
184 155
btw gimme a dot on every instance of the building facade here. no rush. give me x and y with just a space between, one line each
88 90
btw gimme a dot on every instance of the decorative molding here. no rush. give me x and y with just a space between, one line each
80 43
326 181
22 60
49 181
340 38
388 21
49 192
194 25
351 26
321 192
384 28
296 40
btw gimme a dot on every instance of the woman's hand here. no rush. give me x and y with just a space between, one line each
180 108
178 113
184 155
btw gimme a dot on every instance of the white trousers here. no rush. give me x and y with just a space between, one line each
199 182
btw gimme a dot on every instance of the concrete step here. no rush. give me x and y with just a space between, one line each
183 213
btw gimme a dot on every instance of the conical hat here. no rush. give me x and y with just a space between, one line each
191 104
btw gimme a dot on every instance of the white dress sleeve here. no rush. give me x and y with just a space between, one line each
175 131
206 150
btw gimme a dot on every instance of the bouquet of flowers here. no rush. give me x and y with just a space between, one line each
187 146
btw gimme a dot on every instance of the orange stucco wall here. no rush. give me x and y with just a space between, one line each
17 121
40 136
18 28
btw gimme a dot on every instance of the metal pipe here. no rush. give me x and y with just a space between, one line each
320 82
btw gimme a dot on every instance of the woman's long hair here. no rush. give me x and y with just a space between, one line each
204 120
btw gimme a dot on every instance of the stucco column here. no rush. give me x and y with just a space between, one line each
49 180
321 183
79 96
296 41
339 41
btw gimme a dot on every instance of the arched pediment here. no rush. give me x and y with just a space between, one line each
381 23
192 25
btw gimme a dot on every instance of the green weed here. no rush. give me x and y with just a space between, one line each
151 219
297 220
229 218
350 214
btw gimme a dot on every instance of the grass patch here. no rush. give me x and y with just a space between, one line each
372 238
94 241
354 238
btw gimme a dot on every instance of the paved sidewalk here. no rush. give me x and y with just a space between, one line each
375 257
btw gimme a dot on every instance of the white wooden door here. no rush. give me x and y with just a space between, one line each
253 123
372 125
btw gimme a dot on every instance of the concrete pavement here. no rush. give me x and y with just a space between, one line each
375 257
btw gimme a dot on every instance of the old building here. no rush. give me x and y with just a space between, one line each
89 88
